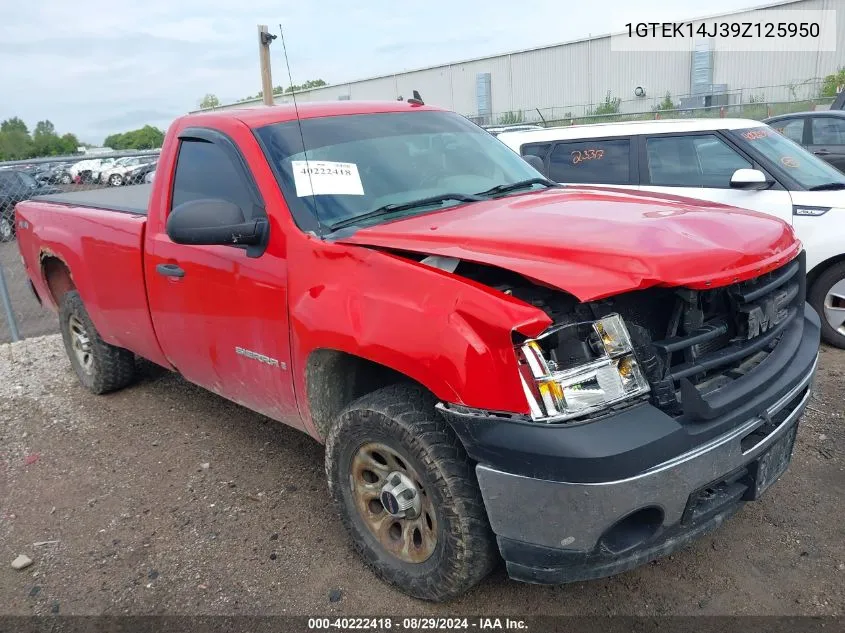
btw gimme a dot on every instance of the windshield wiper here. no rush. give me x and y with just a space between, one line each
828 186
404 206
515 186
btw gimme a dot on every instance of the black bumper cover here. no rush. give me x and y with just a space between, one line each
617 447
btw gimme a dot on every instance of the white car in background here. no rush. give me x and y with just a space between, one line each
115 175
738 162
90 168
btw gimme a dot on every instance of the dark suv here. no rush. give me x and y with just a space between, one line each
16 186
821 132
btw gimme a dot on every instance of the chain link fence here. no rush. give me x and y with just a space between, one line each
26 179
751 103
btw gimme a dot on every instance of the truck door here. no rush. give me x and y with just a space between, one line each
220 315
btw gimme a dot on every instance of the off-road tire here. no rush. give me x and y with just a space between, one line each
112 367
404 418
817 294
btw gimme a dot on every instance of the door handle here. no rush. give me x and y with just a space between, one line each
821 152
170 270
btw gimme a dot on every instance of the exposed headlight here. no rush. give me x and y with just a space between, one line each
576 369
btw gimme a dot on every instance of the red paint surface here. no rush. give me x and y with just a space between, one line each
303 294
595 243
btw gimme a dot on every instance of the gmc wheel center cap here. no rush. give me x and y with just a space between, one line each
400 496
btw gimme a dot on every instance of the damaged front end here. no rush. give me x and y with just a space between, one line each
688 352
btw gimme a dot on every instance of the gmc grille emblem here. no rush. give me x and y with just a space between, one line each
766 314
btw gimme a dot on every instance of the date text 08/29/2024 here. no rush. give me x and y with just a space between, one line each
417 623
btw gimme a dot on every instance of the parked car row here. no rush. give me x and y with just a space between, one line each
738 162
22 182
127 171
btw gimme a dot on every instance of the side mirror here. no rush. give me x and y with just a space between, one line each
750 180
215 222
536 162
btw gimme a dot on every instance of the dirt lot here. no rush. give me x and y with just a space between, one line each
164 498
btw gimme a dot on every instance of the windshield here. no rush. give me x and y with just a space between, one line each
789 157
28 180
360 163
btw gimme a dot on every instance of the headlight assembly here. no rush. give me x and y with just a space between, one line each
576 369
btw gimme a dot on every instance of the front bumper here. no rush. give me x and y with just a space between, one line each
568 523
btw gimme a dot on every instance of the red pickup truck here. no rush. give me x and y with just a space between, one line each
573 380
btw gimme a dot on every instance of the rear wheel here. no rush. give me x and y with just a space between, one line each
407 493
65 179
827 296
99 366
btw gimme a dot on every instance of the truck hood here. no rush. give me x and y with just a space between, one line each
595 243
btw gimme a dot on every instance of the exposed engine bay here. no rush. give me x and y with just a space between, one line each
688 344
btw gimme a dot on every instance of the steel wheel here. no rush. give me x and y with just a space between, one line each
393 503
81 344
834 306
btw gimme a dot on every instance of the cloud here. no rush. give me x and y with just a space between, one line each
105 66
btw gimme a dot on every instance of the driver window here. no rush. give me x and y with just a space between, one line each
204 170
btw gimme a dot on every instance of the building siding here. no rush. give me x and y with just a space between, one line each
568 79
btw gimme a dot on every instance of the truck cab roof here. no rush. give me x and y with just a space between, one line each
260 116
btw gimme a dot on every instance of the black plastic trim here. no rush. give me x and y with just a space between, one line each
624 443
225 142
543 565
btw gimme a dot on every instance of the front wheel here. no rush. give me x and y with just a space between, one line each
66 179
827 296
407 494
99 366
115 180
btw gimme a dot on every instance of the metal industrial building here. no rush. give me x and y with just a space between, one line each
567 80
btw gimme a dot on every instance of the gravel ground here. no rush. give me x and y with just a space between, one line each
166 499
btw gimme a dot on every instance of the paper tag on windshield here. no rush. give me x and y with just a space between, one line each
326 178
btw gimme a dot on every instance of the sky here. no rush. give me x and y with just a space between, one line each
99 67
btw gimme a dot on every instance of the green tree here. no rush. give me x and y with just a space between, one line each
69 144
45 141
209 101
609 106
147 137
833 83
666 104
15 142
278 90
14 124
308 85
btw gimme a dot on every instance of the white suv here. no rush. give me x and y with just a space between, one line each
737 162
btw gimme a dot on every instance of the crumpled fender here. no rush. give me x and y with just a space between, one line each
450 334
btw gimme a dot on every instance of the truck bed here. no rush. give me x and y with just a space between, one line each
98 237
130 199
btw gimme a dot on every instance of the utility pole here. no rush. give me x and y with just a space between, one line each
264 39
